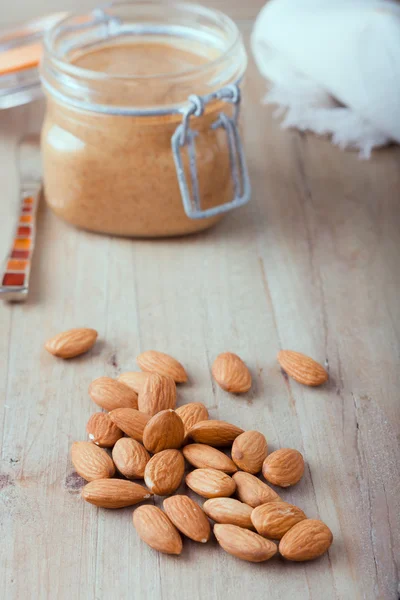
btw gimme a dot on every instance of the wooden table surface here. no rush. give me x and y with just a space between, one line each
312 264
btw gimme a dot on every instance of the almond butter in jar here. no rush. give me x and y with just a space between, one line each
141 135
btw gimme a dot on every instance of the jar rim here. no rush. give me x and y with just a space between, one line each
102 13
177 24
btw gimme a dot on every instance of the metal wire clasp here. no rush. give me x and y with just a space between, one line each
184 136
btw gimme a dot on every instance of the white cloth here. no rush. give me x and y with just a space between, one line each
334 67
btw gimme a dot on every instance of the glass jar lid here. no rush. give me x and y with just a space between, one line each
20 54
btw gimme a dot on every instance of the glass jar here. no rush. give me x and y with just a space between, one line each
141 131
20 51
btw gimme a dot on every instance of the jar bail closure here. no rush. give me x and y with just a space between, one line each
185 136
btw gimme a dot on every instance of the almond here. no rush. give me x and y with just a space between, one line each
91 462
72 342
214 433
231 373
164 430
249 451
203 456
229 512
156 530
274 519
244 544
306 540
191 414
134 380
302 368
130 421
114 493
102 431
130 458
284 467
164 472
110 394
158 393
158 362
252 491
210 483
188 517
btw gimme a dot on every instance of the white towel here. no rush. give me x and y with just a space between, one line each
334 67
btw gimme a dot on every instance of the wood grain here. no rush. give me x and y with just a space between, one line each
311 265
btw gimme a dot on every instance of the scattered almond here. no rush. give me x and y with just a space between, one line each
91 462
130 458
114 493
141 405
188 517
102 431
249 451
214 433
156 530
130 421
210 483
306 540
231 373
158 362
302 368
158 393
274 519
72 343
203 457
244 544
134 380
110 394
164 472
191 414
284 467
164 430
252 491
229 511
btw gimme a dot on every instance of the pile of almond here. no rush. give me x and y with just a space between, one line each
150 441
